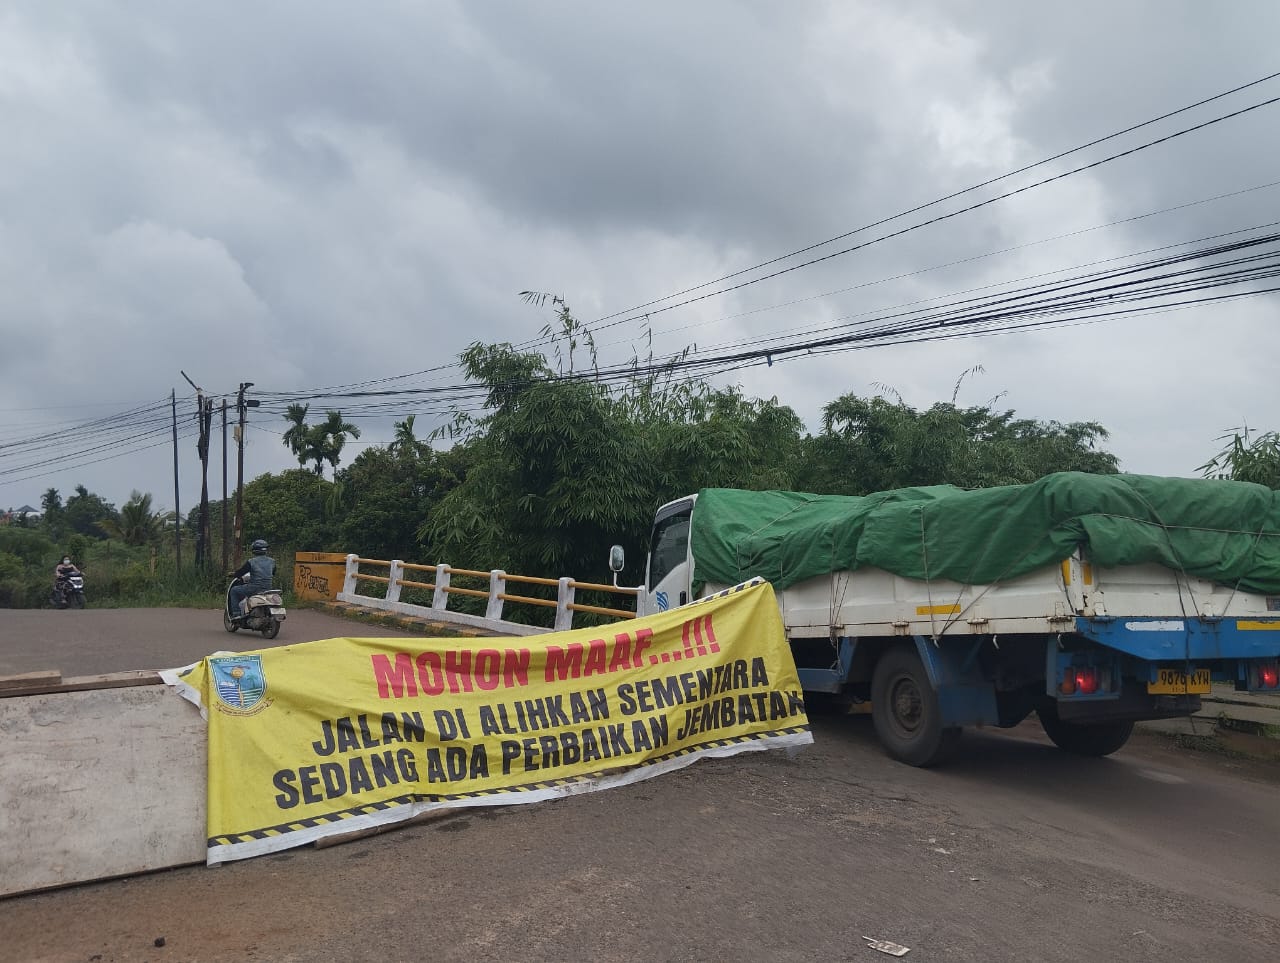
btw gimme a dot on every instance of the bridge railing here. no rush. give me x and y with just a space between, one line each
438 579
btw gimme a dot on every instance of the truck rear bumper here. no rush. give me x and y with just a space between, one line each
1133 705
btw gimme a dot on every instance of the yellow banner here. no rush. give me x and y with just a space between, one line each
330 737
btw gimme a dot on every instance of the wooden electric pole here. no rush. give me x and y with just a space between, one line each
204 419
225 516
177 512
242 406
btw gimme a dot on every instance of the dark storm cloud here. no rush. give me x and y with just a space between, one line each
305 194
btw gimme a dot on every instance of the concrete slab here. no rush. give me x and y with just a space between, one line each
99 783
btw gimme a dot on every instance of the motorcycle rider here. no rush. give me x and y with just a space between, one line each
256 574
61 572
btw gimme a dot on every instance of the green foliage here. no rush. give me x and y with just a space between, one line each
11 566
1247 457
385 493
136 524
719 439
873 444
84 510
289 509
51 502
115 573
562 468
550 473
31 546
317 443
559 467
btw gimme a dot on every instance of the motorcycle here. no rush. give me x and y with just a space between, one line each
262 613
68 591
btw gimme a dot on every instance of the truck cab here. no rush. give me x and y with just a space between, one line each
669 568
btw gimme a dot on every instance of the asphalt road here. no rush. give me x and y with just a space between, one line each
1013 852
90 642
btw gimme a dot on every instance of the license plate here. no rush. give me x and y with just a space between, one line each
1177 682
281 612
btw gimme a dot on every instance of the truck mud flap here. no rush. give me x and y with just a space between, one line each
965 698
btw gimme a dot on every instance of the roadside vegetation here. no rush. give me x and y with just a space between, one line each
555 468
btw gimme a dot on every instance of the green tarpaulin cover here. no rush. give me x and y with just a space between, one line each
1225 531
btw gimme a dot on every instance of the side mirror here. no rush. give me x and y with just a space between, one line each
617 559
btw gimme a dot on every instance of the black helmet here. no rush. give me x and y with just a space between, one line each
259 546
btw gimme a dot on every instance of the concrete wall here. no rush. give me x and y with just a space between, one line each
99 783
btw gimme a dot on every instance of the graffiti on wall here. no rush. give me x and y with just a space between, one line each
318 578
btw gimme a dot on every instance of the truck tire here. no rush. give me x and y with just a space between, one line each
904 710
1096 739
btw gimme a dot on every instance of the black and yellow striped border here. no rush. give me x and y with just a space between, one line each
724 593
312 822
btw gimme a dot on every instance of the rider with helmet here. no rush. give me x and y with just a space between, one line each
255 576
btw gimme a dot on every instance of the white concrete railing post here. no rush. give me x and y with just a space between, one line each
393 580
440 600
497 585
349 580
564 598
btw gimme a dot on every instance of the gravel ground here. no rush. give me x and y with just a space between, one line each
1013 852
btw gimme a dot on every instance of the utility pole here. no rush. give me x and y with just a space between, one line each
204 418
177 512
225 518
206 425
242 405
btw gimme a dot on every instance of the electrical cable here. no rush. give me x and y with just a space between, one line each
967 190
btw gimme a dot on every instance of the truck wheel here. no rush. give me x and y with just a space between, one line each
1096 739
904 710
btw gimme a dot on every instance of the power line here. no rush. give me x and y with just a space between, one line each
940 200
931 221
989 254
273 400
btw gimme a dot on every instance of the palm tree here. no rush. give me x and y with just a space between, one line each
51 502
296 437
404 443
137 524
332 436
317 443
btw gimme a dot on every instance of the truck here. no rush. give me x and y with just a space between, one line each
1094 601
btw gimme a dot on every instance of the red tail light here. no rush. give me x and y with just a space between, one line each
1087 681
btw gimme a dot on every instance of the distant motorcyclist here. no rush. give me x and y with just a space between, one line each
61 572
255 576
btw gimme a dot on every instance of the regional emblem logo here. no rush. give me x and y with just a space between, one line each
239 682
663 604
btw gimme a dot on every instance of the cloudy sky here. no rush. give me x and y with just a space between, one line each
311 194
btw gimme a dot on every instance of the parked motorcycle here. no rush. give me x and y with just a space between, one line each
262 613
68 591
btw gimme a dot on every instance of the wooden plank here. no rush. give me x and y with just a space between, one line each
28 679
38 683
98 783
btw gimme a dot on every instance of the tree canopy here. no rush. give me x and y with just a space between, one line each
874 444
1247 456
320 442
561 463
